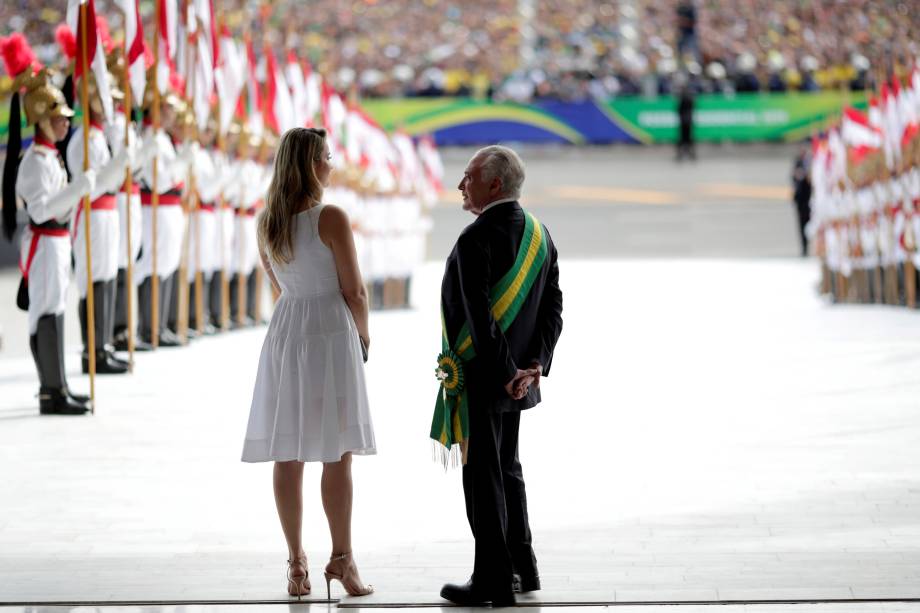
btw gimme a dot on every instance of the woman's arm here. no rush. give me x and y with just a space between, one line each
335 232
267 265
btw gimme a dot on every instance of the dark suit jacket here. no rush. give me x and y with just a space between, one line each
485 251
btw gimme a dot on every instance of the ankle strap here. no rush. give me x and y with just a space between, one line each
339 556
302 558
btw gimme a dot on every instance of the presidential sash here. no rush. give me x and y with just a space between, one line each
450 425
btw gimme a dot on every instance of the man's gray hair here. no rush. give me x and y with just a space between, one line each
504 164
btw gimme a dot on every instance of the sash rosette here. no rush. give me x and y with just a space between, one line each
450 426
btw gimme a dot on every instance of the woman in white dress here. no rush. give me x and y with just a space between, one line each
310 402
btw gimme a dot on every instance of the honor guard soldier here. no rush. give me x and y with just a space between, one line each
171 170
104 232
115 135
204 246
39 181
245 194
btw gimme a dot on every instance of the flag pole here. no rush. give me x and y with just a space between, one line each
183 286
154 189
90 304
222 207
129 281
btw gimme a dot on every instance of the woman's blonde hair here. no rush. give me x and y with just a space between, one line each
294 183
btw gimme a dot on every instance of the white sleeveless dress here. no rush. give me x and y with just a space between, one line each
310 400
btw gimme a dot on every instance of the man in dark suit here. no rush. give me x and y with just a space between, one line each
504 376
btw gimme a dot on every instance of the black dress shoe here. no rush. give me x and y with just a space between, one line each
106 364
121 344
59 402
169 339
471 595
522 585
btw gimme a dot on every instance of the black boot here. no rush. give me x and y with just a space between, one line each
59 326
145 310
120 319
171 301
111 295
106 363
215 300
251 295
206 327
235 304
168 337
377 295
47 346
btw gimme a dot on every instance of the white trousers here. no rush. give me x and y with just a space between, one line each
49 275
170 227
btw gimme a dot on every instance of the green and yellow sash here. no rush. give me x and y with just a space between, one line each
450 425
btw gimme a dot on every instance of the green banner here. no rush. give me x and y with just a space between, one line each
742 117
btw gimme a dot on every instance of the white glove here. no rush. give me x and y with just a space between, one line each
87 181
112 174
63 202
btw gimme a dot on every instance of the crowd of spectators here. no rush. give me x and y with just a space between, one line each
568 49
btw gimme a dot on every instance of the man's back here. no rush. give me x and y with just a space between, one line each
486 250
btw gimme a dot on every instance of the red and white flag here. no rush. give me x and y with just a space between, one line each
229 77
859 135
169 34
95 54
134 48
201 25
279 110
295 79
255 119
314 88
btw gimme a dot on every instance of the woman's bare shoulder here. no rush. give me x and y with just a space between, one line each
333 223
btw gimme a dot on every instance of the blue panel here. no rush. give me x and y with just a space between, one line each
586 118
482 132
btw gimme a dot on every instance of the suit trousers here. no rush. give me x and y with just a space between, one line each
496 502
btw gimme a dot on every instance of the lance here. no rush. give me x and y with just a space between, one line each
90 304
128 187
193 194
222 207
154 189
224 264
183 286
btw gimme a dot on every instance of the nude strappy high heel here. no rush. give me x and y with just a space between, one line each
346 574
298 585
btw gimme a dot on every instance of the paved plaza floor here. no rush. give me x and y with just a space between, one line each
712 432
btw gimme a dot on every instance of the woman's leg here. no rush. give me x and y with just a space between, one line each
288 483
337 496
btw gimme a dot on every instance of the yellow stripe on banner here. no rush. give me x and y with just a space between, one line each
458 429
504 303
464 345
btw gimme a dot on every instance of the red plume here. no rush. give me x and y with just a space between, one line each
105 35
177 82
17 54
66 40
148 56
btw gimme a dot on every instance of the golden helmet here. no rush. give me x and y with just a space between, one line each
41 100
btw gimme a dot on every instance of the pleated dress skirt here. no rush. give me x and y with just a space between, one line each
310 399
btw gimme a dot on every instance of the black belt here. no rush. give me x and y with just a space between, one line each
51 224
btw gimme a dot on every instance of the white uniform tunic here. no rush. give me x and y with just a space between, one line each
226 229
251 181
103 219
116 138
42 186
171 171
204 246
